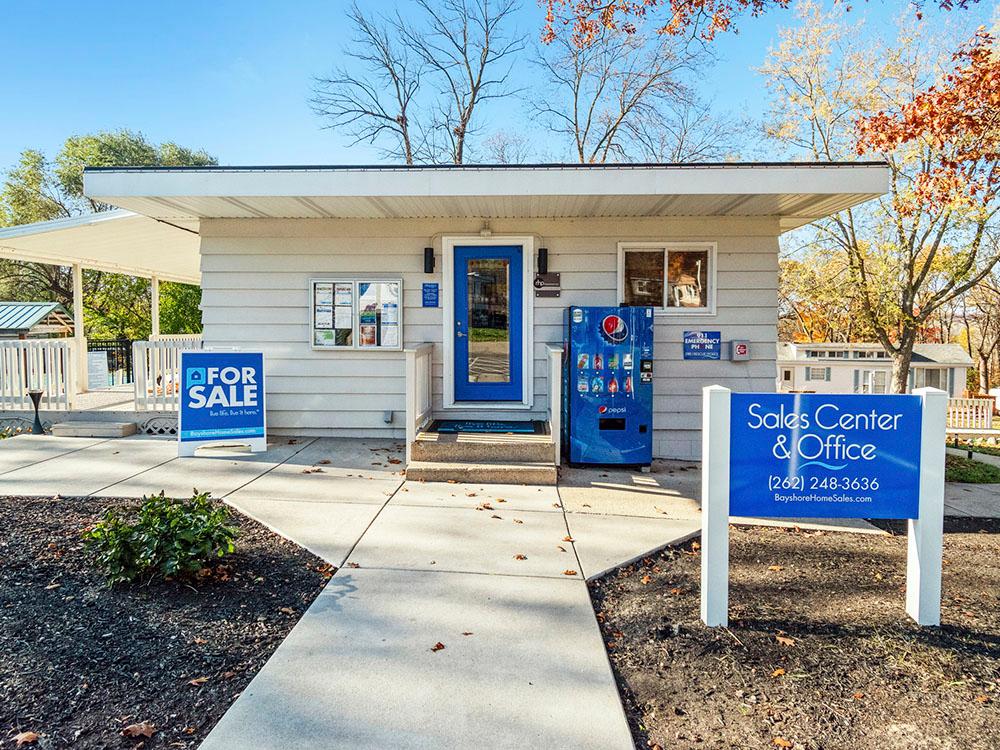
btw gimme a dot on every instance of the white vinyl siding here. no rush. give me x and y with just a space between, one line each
255 275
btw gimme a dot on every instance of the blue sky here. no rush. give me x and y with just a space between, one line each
234 77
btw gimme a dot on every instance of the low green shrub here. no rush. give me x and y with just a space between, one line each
166 537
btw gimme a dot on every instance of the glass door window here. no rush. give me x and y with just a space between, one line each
488 334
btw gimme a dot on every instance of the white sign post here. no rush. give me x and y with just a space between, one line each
925 533
924 544
715 506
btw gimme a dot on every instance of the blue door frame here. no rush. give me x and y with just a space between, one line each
466 390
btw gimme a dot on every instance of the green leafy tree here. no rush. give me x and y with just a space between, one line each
38 189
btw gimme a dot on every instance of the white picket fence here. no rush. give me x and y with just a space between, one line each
970 413
156 366
42 364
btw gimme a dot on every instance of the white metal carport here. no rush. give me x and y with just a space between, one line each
117 241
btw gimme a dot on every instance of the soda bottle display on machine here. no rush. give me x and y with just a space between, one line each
608 393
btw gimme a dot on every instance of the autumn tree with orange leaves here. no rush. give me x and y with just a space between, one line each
954 126
703 18
933 237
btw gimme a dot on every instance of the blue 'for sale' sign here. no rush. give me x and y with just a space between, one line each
221 396
824 456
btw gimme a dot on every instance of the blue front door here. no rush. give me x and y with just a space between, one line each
489 297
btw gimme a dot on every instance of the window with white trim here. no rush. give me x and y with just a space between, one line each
678 279
924 377
873 381
817 373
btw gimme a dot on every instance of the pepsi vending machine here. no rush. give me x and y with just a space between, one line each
608 385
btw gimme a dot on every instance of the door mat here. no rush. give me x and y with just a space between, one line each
452 426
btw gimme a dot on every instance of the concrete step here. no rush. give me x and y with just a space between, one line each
484 473
94 429
483 448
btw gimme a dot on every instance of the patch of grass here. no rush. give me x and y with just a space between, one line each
970 471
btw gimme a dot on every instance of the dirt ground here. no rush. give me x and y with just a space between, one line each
819 653
80 662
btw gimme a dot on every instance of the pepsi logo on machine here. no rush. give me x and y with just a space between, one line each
614 329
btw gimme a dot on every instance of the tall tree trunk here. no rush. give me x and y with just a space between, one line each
901 361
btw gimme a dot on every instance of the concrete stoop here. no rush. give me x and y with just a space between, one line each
483 458
481 473
94 429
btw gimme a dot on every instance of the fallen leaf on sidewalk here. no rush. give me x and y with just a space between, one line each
437 646
569 572
468 632
520 557
353 565
140 729
784 640
518 520
26 738
567 538
560 548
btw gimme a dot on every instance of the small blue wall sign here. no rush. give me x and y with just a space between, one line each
702 345
221 398
824 456
430 295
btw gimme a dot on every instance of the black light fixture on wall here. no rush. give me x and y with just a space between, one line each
428 260
543 260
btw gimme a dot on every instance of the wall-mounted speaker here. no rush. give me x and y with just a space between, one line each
428 260
543 260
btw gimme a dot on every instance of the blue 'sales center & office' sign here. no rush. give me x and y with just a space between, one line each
824 456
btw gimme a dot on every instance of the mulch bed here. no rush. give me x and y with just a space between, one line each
79 661
819 653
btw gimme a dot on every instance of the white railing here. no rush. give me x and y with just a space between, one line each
175 337
970 413
156 372
419 396
46 365
555 375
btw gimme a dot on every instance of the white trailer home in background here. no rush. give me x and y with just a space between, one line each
866 368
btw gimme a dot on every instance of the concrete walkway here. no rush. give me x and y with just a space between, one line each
494 573
489 572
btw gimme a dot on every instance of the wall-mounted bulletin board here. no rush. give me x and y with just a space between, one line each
357 314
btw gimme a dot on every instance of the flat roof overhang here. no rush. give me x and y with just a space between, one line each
116 241
795 193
